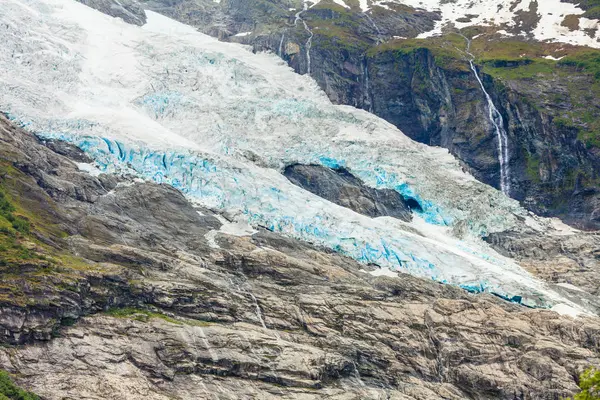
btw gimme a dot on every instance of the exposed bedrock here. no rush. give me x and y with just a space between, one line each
119 292
341 187
129 11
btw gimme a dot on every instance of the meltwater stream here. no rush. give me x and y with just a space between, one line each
497 121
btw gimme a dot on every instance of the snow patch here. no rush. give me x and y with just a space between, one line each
569 286
551 13
89 168
341 3
564 309
238 227
382 272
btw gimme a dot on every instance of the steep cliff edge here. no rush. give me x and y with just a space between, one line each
548 109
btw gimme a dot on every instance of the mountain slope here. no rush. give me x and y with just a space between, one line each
220 123
141 295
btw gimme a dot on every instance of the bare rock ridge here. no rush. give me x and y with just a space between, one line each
341 187
129 11
116 291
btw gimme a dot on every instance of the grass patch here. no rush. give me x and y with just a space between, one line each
144 315
533 168
32 271
587 61
447 50
336 26
511 70
10 391
7 209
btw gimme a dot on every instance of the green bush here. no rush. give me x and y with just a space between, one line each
10 391
589 383
19 223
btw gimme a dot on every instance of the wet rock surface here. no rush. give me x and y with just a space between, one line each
129 11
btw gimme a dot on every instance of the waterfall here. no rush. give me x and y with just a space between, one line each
497 121
367 85
307 29
379 39
279 53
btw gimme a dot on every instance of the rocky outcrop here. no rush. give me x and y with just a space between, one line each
341 187
142 295
129 11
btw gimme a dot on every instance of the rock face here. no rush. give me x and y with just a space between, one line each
341 187
426 88
552 173
128 10
141 295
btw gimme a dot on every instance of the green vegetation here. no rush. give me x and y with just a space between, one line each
589 383
16 245
7 210
512 59
13 232
139 314
525 69
591 7
446 50
144 315
587 61
31 270
10 391
334 27
533 168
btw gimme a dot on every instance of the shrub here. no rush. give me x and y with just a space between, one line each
10 391
589 383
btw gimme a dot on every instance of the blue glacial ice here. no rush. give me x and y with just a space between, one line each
219 123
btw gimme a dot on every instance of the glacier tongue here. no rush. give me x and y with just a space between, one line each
220 123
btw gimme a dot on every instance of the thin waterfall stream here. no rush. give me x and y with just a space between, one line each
497 121
279 52
307 29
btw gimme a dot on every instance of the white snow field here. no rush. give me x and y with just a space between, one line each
506 13
171 105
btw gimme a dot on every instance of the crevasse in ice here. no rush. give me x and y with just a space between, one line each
220 123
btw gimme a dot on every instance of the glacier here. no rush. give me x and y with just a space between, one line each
168 104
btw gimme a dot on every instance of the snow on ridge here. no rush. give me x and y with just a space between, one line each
464 13
219 123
